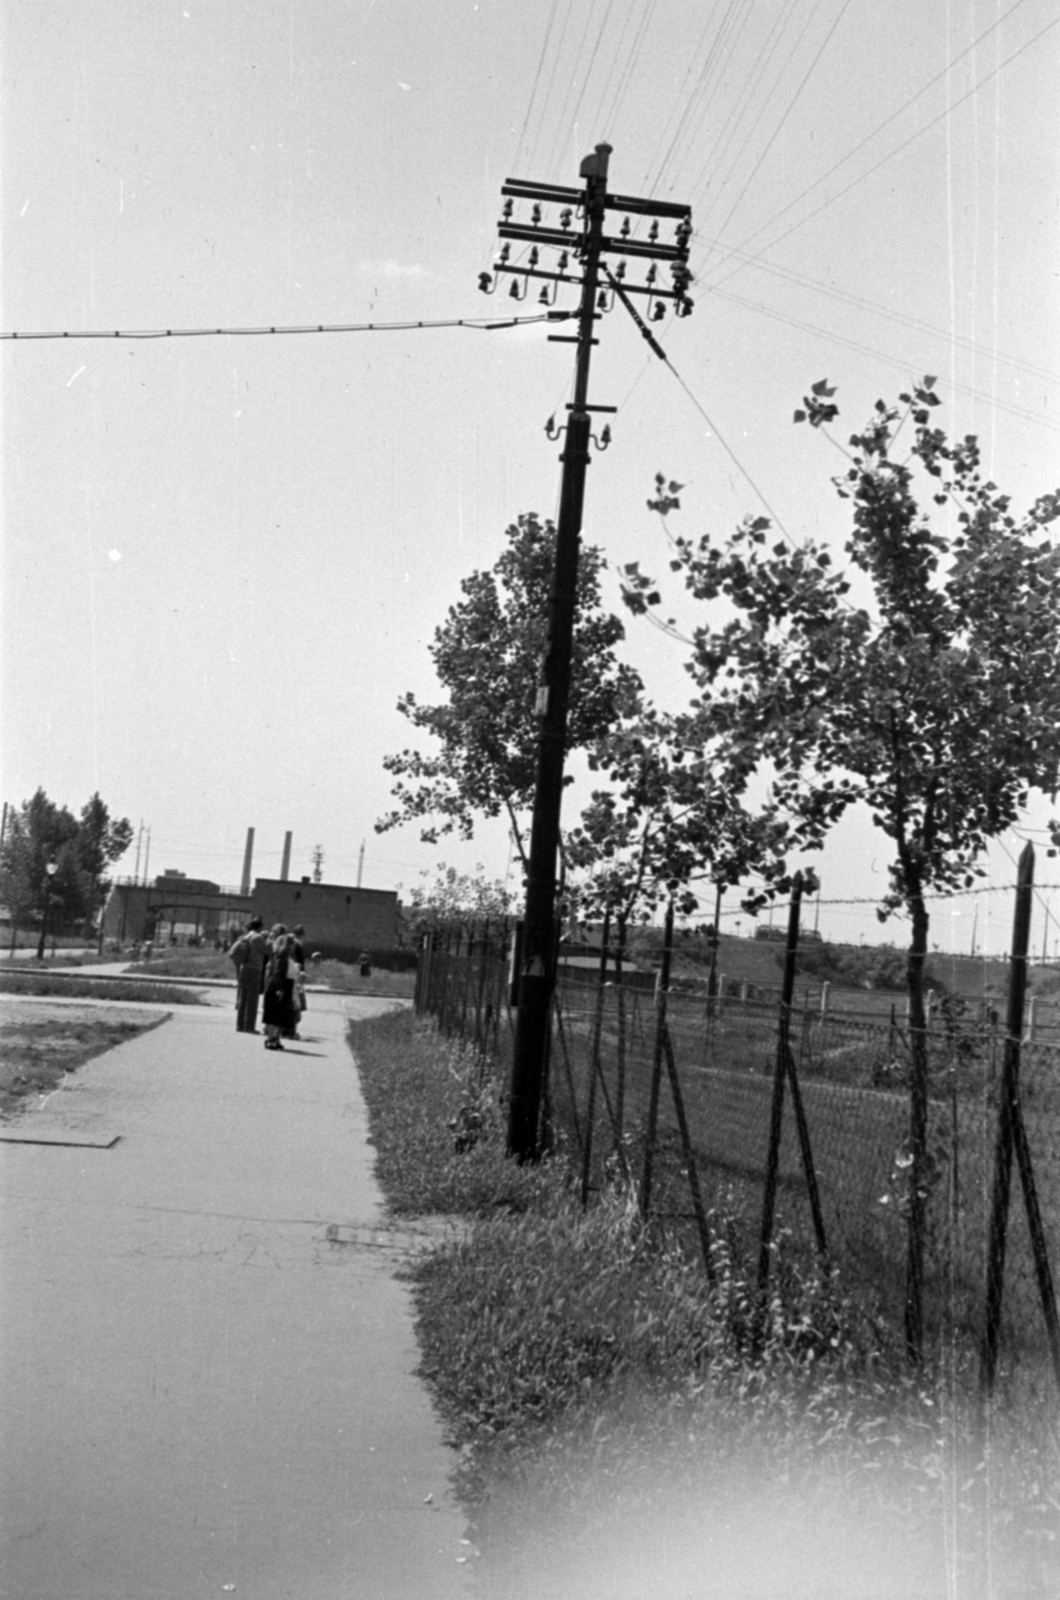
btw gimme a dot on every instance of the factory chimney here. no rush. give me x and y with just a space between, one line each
248 858
286 864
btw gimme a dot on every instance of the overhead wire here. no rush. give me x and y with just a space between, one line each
786 113
878 355
729 130
696 104
925 128
860 303
730 30
560 136
682 98
534 85
476 324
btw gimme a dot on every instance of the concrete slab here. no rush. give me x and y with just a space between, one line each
206 1356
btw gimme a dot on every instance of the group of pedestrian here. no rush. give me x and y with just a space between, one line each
272 966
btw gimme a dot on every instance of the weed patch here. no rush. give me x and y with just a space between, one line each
626 1427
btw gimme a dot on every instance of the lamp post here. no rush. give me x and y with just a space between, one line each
51 868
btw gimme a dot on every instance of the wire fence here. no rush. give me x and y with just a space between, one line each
682 1091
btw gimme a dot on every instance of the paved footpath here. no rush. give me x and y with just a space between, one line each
206 1358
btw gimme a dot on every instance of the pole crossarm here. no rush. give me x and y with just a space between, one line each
581 230
536 974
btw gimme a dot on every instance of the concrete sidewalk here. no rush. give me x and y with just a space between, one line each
207 1361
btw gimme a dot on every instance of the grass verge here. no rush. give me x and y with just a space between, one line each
71 986
36 1053
626 1428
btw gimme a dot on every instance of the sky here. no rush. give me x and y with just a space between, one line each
224 557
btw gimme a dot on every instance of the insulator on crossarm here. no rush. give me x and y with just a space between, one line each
565 218
564 260
486 282
620 271
515 293
506 251
658 311
507 212
535 216
534 256
624 230
653 231
547 297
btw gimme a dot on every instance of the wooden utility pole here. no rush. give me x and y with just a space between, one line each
536 975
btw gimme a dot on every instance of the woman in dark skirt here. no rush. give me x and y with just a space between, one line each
278 1009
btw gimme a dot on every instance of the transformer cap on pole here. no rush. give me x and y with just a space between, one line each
595 166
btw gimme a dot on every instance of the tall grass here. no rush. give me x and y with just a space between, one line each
613 1409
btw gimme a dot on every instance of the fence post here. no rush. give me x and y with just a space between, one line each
690 1159
779 1074
1008 1113
595 1067
657 1062
826 990
1032 1020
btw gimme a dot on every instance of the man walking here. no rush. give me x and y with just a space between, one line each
249 954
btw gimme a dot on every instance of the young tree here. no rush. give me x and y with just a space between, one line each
101 840
672 818
936 703
487 657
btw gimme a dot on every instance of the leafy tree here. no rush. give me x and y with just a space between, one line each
487 655
455 901
672 817
936 703
41 834
101 840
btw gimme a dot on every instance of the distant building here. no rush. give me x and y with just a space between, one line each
340 921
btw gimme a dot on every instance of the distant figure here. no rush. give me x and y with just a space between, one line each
365 962
277 1013
249 954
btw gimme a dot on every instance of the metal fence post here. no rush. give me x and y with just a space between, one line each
1008 1113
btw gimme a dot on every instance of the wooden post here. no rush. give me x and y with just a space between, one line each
780 1072
1008 1114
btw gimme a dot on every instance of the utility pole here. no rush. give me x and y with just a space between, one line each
536 977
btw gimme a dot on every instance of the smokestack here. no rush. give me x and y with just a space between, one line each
286 865
248 857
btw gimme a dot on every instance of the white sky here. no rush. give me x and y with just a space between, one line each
224 558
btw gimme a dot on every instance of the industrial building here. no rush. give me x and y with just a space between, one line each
341 921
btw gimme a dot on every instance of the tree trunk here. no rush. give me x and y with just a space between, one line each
918 1131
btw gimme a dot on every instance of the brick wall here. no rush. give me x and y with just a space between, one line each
339 921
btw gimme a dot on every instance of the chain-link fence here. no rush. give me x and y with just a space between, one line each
843 1162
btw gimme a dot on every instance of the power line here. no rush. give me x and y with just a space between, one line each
941 117
476 324
726 447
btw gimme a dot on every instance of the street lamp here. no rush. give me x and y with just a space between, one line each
51 868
